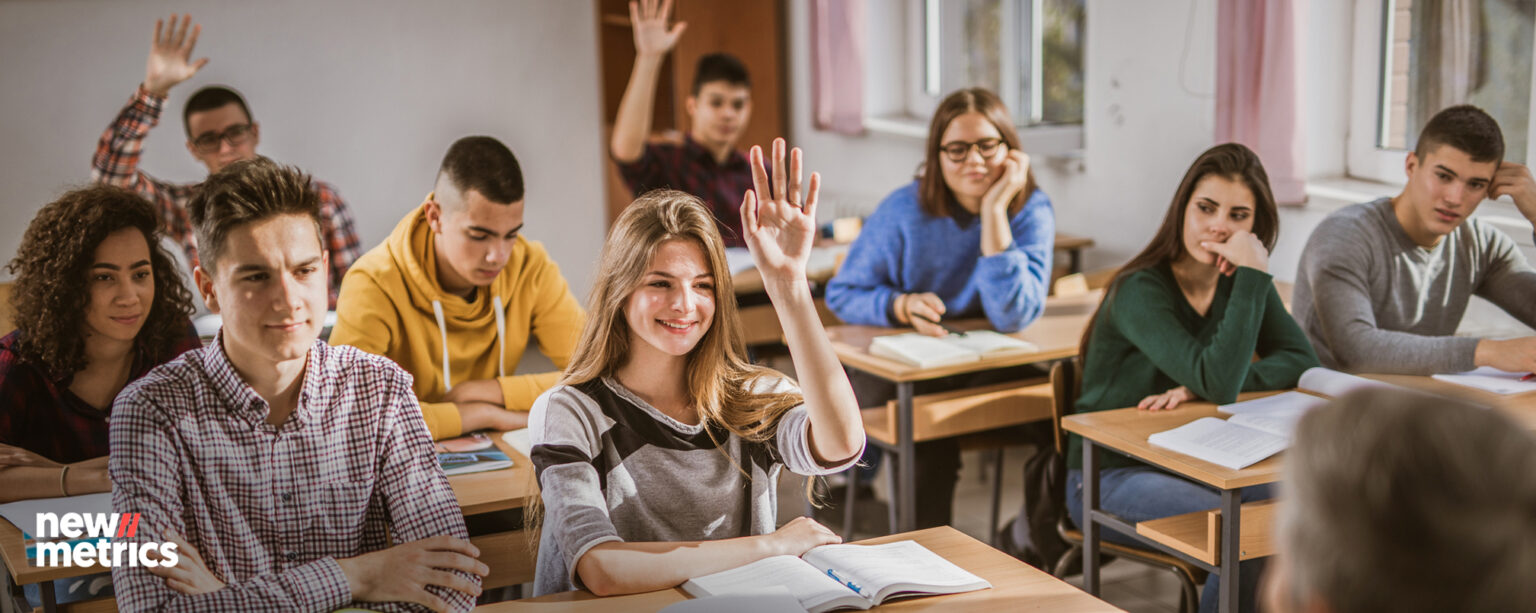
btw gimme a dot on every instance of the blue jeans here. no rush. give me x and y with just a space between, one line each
1140 493
73 589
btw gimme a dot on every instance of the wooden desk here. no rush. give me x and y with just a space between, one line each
1126 431
1056 333
496 490
1015 586
1074 246
759 322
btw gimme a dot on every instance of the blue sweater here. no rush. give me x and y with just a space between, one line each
902 250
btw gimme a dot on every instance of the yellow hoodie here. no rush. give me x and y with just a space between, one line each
391 304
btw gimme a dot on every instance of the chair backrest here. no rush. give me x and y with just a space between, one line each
1066 384
1083 282
5 309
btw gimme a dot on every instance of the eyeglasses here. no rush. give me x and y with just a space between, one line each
958 150
235 135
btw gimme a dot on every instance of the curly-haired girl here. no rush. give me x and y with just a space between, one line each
98 303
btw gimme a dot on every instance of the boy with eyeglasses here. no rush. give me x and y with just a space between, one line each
706 163
220 131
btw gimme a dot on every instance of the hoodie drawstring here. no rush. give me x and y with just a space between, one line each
501 335
442 327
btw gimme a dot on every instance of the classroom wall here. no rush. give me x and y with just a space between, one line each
365 94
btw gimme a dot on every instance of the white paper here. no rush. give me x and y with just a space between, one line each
810 587
771 599
1491 379
921 351
1287 402
1333 383
987 342
521 440
1218 442
23 513
877 567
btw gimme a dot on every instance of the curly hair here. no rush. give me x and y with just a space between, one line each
52 274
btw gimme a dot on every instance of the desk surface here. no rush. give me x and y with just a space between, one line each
1126 430
1056 333
1015 585
496 490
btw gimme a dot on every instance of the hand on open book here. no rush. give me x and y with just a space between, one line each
800 535
779 218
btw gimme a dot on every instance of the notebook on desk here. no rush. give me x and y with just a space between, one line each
834 577
1261 427
930 352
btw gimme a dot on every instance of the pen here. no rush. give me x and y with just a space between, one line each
1528 376
947 328
850 585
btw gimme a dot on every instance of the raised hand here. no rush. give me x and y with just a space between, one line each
170 55
1514 180
779 220
1240 249
1015 176
649 21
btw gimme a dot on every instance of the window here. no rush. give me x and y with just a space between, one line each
1420 56
1028 51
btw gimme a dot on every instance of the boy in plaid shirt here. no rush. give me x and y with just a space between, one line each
292 475
219 131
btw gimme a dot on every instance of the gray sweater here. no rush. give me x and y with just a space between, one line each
614 468
1373 301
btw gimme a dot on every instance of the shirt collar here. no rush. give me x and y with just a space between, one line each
241 399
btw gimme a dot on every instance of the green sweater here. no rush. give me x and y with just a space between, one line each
1147 339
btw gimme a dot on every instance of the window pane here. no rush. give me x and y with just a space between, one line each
1438 53
1061 60
981 60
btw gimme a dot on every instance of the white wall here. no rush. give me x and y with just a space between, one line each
365 94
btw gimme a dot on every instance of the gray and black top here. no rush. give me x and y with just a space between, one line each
613 468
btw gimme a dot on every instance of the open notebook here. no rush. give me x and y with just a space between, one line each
929 352
834 577
1261 427
1491 379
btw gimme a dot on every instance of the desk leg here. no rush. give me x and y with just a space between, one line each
1090 528
906 458
50 604
1231 548
1075 261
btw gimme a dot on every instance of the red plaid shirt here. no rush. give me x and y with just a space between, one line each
39 413
272 508
117 163
691 168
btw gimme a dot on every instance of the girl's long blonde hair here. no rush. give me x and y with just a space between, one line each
720 379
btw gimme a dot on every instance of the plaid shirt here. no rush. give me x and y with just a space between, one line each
272 508
691 168
41 415
117 163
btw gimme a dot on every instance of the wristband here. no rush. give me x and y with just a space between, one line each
62 473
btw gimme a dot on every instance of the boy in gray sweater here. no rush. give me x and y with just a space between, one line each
1383 285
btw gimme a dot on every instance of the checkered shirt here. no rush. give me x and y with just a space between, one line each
691 168
272 508
117 163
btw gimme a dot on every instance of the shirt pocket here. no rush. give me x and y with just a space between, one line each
340 509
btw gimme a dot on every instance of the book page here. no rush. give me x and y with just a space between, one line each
813 588
1284 403
1218 442
1282 424
987 342
880 570
1491 379
921 351
1333 383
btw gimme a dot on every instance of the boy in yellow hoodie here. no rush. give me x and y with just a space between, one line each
455 294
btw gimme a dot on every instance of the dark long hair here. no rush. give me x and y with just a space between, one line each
52 269
934 195
1230 160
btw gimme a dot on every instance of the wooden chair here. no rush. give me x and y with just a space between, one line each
5 309
1066 384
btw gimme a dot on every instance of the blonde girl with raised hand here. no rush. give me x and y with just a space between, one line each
659 452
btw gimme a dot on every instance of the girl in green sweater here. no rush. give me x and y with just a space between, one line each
1183 321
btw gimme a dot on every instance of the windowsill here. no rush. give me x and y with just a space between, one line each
1050 141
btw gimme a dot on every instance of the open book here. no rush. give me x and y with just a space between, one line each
1261 427
929 352
834 577
1491 379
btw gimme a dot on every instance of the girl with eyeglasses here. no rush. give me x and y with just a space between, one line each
971 236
